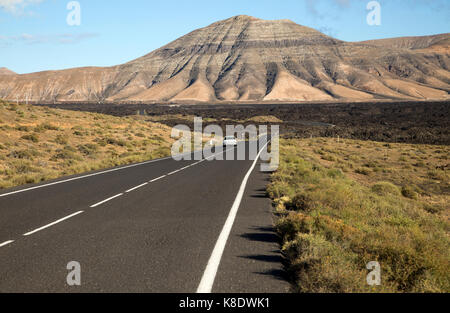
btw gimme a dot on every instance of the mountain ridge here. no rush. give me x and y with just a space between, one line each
249 59
6 71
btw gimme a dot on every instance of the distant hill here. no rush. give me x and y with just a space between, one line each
413 43
5 71
248 59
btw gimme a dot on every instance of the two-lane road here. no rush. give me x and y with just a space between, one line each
157 226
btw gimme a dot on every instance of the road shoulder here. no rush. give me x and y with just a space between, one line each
252 261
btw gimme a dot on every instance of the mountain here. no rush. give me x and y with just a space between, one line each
244 58
418 42
5 71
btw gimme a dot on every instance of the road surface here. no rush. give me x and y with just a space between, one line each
159 226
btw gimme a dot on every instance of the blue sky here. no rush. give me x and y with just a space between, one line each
35 36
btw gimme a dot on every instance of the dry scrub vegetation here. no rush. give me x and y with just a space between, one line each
38 143
344 204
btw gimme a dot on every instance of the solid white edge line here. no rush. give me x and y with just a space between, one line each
209 275
6 243
51 224
137 187
106 200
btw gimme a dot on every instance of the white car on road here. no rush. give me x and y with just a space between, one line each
229 141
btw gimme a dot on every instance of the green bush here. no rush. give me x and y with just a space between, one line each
409 192
28 154
300 202
62 140
45 126
385 188
437 175
68 153
329 157
88 149
116 142
32 137
433 209
363 171
23 128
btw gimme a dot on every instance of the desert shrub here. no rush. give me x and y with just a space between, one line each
300 202
23 128
437 175
409 192
420 164
23 167
116 142
68 153
363 171
88 149
329 157
28 154
334 173
60 139
347 224
371 164
45 126
160 152
158 138
31 137
25 179
433 208
385 188
322 266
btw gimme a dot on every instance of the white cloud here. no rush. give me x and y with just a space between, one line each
311 6
16 7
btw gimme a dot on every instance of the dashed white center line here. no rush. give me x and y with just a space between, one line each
54 223
101 202
6 243
137 187
174 172
106 200
156 179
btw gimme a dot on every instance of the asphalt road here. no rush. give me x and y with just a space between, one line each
151 227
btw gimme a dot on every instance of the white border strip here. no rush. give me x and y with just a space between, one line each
209 275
